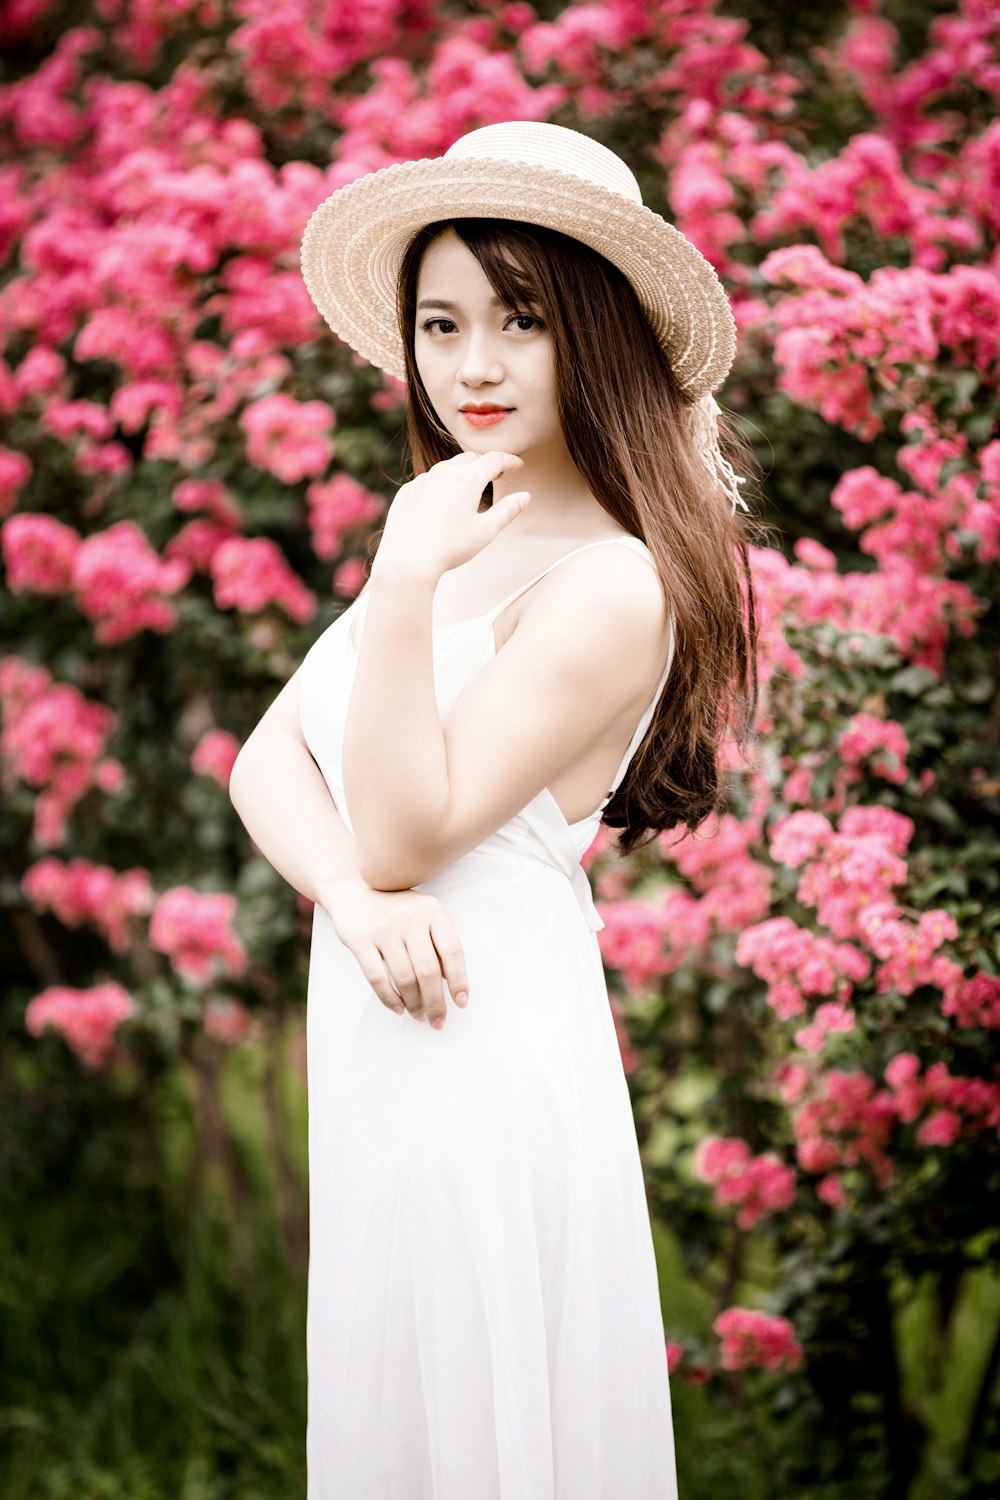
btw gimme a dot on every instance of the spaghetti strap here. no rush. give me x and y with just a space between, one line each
523 588
647 717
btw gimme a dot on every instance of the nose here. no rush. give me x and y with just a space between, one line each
480 363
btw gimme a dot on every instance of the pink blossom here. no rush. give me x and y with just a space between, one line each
940 1129
632 942
288 438
38 552
883 743
249 575
760 1185
750 1338
194 929
974 1001
41 372
841 1119
349 577
122 584
798 837
197 542
214 755
830 1189
15 471
336 508
829 1017
675 1353
211 496
902 1075
52 739
87 1019
80 892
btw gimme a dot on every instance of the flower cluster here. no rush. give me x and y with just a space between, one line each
750 1338
214 755
87 1018
79 892
194 930
796 962
53 739
760 1185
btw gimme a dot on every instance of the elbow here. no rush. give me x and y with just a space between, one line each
393 869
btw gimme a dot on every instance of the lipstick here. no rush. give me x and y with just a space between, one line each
486 415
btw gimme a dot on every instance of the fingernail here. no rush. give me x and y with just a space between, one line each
462 998
438 1022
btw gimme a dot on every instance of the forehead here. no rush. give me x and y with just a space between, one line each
446 261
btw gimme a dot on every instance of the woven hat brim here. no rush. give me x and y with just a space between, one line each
353 246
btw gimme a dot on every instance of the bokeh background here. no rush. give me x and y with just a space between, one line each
191 470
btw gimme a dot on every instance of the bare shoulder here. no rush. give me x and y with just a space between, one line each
617 587
606 609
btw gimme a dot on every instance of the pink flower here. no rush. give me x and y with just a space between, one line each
211 496
122 584
38 551
799 837
194 930
881 742
214 755
831 1190
337 507
675 1353
287 437
86 1018
940 1129
15 471
974 1001
80 892
750 1338
829 1017
249 575
53 739
760 1185
632 941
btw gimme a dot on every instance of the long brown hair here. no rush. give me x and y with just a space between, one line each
622 416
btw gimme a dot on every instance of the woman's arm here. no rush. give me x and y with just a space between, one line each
588 646
404 938
285 805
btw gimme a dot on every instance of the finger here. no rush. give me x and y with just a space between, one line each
450 956
398 963
427 968
494 463
503 511
376 972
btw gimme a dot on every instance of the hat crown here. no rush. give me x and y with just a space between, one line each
538 144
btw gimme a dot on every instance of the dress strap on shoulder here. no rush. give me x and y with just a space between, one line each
603 542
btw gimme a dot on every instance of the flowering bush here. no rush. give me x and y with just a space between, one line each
806 992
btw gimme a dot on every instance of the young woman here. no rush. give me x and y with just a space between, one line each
484 1317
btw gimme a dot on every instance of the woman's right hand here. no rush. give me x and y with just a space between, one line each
408 935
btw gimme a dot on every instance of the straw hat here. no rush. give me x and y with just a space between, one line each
536 173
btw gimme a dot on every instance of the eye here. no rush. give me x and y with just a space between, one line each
522 319
444 325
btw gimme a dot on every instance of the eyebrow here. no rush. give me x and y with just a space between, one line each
449 306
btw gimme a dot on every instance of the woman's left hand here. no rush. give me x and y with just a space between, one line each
434 522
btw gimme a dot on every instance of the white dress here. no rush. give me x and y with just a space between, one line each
483 1310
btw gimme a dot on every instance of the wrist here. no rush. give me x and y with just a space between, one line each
418 577
332 889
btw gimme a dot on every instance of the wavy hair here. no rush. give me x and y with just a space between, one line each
623 418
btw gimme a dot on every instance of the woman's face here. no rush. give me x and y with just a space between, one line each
488 370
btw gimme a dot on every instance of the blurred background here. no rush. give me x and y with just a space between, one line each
191 470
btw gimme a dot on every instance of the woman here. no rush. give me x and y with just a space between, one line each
484 1318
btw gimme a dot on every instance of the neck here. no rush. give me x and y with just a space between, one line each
561 501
